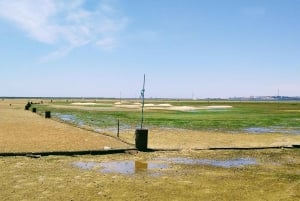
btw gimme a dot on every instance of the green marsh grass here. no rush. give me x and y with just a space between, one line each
241 116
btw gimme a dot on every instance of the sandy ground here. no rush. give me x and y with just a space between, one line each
275 176
190 139
202 140
22 130
151 106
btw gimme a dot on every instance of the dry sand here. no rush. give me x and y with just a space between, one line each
188 139
152 106
22 130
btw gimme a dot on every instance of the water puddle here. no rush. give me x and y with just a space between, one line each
86 165
257 130
65 117
69 118
239 162
153 168
128 167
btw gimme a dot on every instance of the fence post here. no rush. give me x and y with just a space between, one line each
118 128
47 114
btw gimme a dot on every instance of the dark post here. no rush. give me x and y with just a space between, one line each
141 139
47 114
27 106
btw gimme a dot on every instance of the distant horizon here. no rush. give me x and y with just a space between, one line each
136 98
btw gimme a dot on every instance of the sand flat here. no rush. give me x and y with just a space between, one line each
24 131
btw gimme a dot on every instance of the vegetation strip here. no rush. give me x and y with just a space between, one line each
227 116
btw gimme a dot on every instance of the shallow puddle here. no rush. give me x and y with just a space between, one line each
122 167
86 165
239 162
272 130
66 117
130 167
69 118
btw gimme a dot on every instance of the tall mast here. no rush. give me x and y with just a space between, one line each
143 101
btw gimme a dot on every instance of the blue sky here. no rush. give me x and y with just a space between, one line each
186 48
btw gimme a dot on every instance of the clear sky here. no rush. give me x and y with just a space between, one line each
186 48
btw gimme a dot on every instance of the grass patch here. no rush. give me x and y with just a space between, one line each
242 115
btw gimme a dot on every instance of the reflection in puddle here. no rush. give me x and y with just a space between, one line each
130 167
122 167
239 162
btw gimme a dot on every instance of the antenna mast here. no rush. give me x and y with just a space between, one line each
143 101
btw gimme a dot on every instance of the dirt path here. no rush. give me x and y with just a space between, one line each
24 131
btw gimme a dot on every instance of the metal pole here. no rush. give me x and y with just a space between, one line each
143 101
